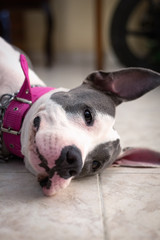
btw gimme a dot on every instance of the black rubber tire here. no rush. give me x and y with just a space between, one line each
118 38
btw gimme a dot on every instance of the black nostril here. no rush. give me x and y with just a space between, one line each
71 157
72 173
69 163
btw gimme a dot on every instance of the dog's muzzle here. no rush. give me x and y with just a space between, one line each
67 166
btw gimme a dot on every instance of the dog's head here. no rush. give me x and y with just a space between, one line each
69 134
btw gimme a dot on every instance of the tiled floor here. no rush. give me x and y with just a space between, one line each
121 203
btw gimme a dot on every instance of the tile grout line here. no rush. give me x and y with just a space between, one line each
102 208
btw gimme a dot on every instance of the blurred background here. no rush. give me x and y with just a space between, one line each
86 34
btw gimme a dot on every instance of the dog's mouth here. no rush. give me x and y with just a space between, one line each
50 181
58 177
51 186
44 181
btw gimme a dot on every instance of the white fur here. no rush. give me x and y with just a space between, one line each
11 74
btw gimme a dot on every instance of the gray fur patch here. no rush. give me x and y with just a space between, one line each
80 98
105 153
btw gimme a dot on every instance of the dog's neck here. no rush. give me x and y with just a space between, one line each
18 106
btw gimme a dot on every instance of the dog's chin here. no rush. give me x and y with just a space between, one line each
54 185
51 183
50 186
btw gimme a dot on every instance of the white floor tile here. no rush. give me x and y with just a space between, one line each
27 214
131 206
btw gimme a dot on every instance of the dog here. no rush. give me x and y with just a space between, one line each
64 134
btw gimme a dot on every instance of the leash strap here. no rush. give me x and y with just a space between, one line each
17 109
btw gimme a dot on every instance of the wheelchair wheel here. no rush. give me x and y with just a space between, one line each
135 33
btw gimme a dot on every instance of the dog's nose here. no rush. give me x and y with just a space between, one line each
69 163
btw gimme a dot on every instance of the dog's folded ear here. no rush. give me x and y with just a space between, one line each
126 84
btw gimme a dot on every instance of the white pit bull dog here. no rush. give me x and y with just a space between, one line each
63 134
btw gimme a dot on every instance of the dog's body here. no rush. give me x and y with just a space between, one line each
70 133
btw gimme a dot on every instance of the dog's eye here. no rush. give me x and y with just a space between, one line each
88 116
96 165
36 122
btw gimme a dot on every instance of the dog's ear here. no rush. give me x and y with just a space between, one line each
138 157
126 84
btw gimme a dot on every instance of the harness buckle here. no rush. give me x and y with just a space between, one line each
23 100
9 130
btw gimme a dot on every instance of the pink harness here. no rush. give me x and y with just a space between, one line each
17 109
